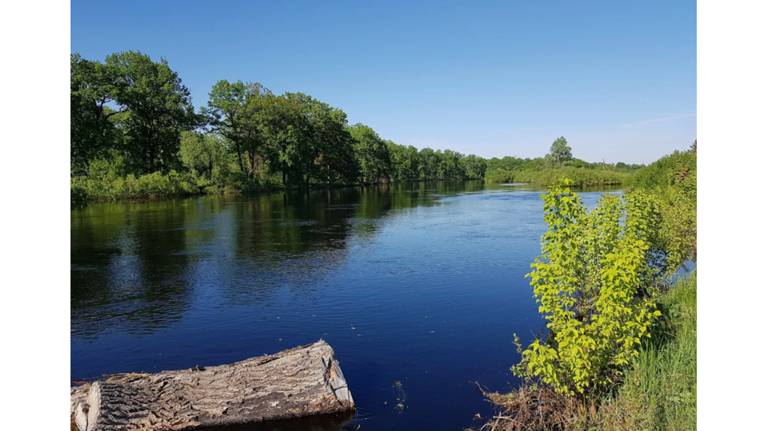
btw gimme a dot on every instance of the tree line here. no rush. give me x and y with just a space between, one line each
132 116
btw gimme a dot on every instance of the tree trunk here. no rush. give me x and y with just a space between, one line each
294 383
240 157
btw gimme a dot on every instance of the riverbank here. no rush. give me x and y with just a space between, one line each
658 392
545 177
158 186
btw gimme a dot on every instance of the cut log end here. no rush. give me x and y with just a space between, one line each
299 382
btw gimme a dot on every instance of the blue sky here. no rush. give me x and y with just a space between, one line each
616 78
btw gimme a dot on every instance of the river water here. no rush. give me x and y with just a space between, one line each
418 288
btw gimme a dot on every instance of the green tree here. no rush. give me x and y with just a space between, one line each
559 152
474 167
203 153
330 154
372 154
308 141
237 111
405 162
428 164
92 130
157 107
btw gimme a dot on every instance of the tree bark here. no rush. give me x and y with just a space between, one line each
294 383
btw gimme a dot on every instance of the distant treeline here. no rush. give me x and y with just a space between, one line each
558 164
135 134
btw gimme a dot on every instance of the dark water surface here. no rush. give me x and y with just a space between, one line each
418 289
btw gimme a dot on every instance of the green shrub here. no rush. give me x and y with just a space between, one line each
106 182
673 179
590 283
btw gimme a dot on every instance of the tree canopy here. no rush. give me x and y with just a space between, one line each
560 151
129 104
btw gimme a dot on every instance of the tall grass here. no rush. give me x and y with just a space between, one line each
581 176
659 393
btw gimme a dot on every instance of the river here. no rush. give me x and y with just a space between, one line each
419 289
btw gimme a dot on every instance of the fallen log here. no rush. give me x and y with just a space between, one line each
299 382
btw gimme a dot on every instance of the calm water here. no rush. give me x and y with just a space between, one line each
418 289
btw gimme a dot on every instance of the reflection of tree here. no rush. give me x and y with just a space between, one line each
128 265
136 265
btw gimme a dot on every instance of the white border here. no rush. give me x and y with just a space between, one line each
732 209
34 218
732 137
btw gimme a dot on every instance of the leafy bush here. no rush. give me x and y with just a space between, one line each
590 284
106 182
673 179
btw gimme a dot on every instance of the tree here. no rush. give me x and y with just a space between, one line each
559 152
92 130
405 162
307 140
203 152
328 154
428 164
372 154
157 107
237 111
449 165
474 167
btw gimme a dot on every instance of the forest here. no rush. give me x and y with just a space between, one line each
136 134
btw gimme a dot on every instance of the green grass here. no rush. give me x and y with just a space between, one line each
659 393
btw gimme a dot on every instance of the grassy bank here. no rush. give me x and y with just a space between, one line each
659 393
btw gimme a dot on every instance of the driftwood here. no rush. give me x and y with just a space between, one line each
299 382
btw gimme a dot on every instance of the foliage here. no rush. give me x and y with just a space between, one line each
405 162
205 154
234 111
659 392
673 179
247 138
106 180
130 104
547 176
323 148
157 107
372 153
559 152
93 132
543 172
588 284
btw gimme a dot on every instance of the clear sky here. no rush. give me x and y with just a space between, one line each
616 78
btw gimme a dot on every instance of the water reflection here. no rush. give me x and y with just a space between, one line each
136 265
332 422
